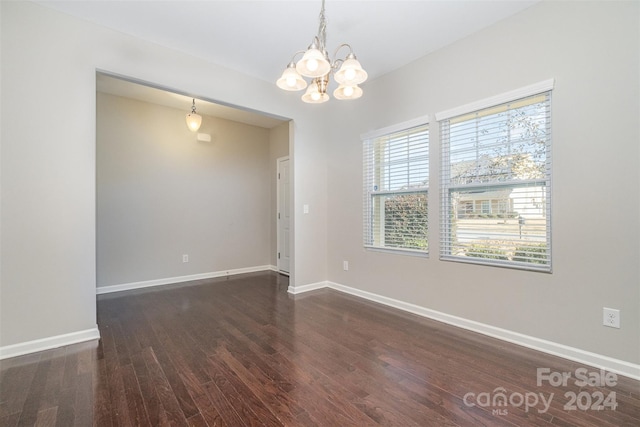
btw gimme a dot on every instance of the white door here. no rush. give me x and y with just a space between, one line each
284 215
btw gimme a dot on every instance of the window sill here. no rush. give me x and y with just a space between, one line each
398 251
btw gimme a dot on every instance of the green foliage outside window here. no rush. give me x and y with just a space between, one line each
503 250
406 221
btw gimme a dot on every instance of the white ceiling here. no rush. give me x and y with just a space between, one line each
260 37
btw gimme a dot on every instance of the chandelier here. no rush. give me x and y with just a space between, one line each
316 65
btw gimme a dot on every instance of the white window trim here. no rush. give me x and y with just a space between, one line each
502 98
399 127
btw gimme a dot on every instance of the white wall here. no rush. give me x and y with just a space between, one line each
161 194
49 62
592 50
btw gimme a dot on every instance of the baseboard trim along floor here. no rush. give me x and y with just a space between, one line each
48 343
181 279
599 361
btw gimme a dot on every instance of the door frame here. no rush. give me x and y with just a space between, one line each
278 197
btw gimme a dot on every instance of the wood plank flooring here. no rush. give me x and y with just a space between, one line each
240 351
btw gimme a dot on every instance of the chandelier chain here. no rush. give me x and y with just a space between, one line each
322 30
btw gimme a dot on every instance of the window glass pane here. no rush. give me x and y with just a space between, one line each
396 168
504 145
402 161
506 223
400 220
496 185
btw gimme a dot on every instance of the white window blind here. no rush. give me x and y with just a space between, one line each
496 185
396 180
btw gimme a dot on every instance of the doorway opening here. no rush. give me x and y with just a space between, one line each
172 206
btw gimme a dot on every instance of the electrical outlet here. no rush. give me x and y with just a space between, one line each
611 317
185 258
345 265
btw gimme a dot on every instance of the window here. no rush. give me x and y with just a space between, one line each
496 175
396 181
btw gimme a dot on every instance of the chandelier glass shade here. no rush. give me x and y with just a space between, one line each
290 79
317 91
313 63
348 92
351 72
316 65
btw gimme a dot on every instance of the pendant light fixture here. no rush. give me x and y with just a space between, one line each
194 120
315 64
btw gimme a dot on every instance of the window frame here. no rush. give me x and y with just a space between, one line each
369 178
446 187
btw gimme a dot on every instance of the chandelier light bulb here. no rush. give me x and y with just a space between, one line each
350 74
312 64
348 91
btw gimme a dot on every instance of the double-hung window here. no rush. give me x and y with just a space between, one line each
496 181
396 183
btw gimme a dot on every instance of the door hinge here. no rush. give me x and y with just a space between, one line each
278 175
278 215
278 255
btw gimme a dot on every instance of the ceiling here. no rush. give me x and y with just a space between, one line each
142 92
259 38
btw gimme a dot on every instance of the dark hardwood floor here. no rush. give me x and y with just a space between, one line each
240 351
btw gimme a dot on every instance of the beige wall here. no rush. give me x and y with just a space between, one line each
592 50
161 194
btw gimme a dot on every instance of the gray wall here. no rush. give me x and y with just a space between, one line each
161 193
592 50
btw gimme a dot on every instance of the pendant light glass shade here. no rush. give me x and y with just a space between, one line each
314 96
347 92
193 119
351 72
313 64
291 80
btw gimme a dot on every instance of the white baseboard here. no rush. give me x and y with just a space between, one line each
180 279
599 361
91 334
49 343
307 288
